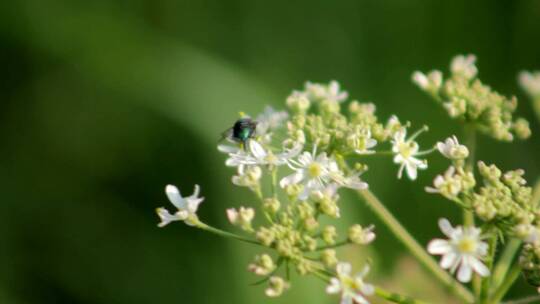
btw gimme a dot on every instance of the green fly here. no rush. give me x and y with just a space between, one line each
242 130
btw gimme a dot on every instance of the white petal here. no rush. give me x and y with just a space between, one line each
464 273
411 171
343 269
291 179
358 298
367 289
448 260
334 286
165 217
228 149
446 227
439 246
479 267
174 196
193 204
346 299
257 150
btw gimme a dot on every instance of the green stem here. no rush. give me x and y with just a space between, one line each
470 142
396 298
412 245
485 283
512 275
535 200
526 300
226 234
505 261
338 244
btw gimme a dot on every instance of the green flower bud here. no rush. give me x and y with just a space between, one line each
276 286
265 236
271 205
362 236
329 235
329 258
263 265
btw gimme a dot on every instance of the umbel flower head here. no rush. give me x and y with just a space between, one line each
463 251
466 98
351 287
186 207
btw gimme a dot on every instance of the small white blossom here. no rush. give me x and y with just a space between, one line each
258 155
405 151
463 251
464 65
362 141
429 82
247 176
351 288
528 233
316 172
276 287
451 149
241 217
530 82
360 235
446 184
328 92
270 120
186 207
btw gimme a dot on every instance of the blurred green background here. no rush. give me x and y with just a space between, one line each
102 103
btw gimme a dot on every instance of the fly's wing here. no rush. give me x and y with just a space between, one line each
227 134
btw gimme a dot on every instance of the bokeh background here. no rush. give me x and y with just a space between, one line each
104 102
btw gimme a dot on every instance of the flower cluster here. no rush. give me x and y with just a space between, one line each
466 98
298 161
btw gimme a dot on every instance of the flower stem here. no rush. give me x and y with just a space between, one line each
505 261
226 234
485 283
470 142
526 300
512 275
535 200
412 245
338 244
396 298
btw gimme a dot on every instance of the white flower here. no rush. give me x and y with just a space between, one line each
406 150
420 79
316 172
447 185
269 120
451 148
528 233
431 81
464 65
276 286
463 250
328 92
530 82
351 288
258 155
186 207
362 142
241 217
247 176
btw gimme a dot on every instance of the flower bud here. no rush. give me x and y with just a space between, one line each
263 265
271 205
329 235
276 286
329 258
361 236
